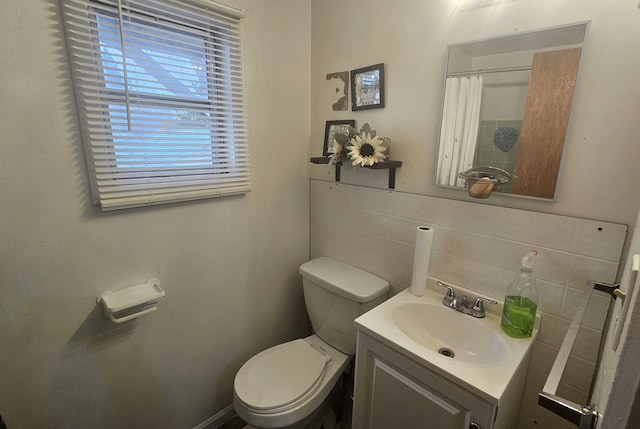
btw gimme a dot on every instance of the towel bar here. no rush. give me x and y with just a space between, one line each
585 417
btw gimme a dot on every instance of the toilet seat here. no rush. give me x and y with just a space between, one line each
280 378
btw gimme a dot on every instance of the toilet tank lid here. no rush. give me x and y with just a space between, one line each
344 279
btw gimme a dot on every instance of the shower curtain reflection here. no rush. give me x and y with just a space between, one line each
459 132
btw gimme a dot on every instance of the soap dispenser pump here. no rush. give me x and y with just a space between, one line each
521 301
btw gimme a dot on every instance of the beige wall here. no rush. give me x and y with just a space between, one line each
229 266
411 37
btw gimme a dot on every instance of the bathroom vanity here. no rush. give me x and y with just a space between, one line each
419 362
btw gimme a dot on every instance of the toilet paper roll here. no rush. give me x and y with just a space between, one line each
421 258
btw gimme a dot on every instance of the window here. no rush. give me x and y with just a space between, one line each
159 86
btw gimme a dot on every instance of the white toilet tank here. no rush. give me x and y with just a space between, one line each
335 295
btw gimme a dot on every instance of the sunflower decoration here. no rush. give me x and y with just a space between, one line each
366 147
339 149
340 153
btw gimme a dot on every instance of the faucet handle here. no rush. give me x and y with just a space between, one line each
450 297
478 306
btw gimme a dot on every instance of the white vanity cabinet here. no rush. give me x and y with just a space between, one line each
392 391
403 381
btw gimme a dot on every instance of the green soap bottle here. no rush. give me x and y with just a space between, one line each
521 301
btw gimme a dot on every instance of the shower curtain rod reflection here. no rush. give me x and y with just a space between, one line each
486 71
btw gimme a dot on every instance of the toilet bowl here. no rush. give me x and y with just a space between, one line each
287 386
284 386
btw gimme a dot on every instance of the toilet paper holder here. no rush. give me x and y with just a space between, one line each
131 302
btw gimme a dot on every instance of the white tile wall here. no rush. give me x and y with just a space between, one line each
479 247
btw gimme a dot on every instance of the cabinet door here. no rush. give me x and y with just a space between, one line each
393 391
397 401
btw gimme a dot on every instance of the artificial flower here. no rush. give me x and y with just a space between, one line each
337 156
363 147
340 146
367 148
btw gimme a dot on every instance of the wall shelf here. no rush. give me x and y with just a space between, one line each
383 165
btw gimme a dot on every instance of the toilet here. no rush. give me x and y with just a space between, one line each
286 386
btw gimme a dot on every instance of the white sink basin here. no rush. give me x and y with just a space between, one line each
449 332
485 360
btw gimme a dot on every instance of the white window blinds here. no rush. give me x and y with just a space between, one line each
160 92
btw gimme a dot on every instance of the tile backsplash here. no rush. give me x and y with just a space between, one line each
479 247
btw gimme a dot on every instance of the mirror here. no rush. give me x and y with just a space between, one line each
507 105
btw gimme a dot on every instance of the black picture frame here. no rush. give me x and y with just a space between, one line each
330 129
367 87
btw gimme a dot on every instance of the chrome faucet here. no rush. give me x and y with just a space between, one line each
464 305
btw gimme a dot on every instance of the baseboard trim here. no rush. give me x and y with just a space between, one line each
219 419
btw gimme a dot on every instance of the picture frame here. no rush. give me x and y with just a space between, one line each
367 87
331 128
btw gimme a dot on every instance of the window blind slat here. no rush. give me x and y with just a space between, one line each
116 202
215 109
230 52
176 129
188 9
77 17
174 182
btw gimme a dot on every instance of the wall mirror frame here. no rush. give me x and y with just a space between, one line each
507 103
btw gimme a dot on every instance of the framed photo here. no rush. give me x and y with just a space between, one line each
330 130
367 87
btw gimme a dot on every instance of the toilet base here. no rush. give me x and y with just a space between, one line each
324 420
